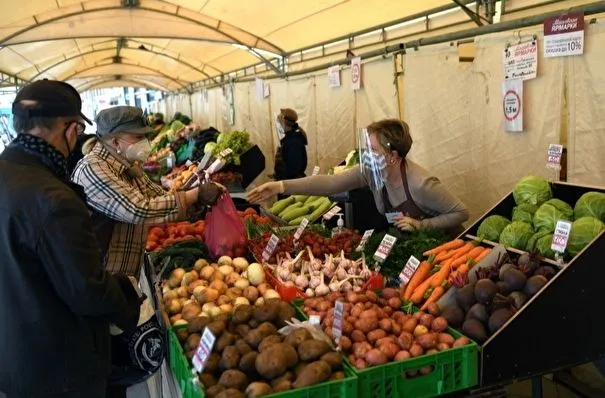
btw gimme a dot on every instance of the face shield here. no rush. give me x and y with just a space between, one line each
279 128
373 161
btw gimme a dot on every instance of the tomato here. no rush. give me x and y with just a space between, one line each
151 246
156 231
190 229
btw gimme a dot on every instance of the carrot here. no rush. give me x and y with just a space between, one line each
463 268
451 245
418 294
435 295
444 255
442 274
423 272
465 257
464 249
483 254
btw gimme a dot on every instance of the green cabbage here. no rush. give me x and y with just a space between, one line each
524 212
591 204
531 243
583 231
176 126
543 246
352 158
516 234
209 147
533 190
491 227
549 213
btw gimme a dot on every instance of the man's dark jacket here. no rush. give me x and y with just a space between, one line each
56 301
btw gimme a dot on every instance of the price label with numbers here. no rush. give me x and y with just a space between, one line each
270 248
364 239
384 248
315 170
564 35
333 211
553 157
226 152
301 229
561 236
315 320
203 350
408 270
338 315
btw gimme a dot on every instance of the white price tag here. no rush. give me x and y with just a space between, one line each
315 170
315 320
301 229
337 324
204 161
392 216
553 158
561 235
385 248
203 350
270 248
333 211
169 162
226 152
364 239
408 270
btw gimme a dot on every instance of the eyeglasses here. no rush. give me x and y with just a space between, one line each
80 126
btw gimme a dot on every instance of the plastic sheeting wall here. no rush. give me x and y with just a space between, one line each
455 116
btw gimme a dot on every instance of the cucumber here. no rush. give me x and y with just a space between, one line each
312 199
281 205
301 198
316 204
321 209
297 220
292 214
293 206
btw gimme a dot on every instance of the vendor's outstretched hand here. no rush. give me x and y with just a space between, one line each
407 223
265 192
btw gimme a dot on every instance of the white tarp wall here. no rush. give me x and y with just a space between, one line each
456 119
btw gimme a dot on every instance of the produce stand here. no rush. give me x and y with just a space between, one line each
543 336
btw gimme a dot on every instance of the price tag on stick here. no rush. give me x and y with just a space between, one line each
330 214
337 325
270 248
385 248
364 239
553 157
226 152
203 350
301 229
315 170
561 236
408 270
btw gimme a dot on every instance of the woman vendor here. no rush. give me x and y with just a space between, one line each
413 196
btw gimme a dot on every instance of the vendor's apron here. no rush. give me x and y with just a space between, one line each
409 208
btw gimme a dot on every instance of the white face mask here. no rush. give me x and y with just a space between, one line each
139 151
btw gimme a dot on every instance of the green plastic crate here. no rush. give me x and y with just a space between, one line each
345 388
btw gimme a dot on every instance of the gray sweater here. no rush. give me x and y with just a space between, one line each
429 194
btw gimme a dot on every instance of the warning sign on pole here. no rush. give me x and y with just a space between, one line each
512 105
356 73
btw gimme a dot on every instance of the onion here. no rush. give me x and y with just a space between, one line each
220 286
270 293
165 289
226 308
207 307
191 287
170 295
199 264
256 274
242 283
225 260
231 278
182 291
189 277
240 263
262 288
207 272
225 269
241 301
174 307
259 301
251 293
176 276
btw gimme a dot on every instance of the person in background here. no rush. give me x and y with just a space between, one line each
177 116
400 186
291 157
57 301
124 200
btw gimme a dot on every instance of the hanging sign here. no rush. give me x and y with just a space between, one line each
203 350
259 89
512 105
270 248
334 76
553 159
564 35
521 61
408 270
356 73
384 248
364 239
561 236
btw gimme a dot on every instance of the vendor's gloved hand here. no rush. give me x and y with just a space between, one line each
405 223
209 193
265 191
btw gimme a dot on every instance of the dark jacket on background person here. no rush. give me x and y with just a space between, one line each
57 301
291 157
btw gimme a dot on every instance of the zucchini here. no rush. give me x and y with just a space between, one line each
301 198
295 213
281 205
312 199
320 209
297 220
293 206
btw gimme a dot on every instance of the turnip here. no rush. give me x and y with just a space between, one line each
240 264
225 269
256 274
225 260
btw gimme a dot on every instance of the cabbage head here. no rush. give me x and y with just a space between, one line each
516 234
531 243
524 212
583 231
491 227
548 214
591 204
543 246
209 147
533 190
176 126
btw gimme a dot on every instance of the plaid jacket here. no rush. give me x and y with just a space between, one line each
134 203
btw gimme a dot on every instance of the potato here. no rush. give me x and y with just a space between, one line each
315 372
310 350
427 341
212 363
426 370
222 342
267 312
416 350
271 363
229 359
269 341
197 324
242 330
299 368
289 352
360 349
267 328
233 379
388 339
375 335
334 359
241 314
189 354
217 327
402 355
253 323
358 336
446 338
192 341
390 350
439 324
337 375
298 336
258 389
284 313
182 335
366 324
247 362
242 347
284 385
251 293
230 392
426 320
288 376
461 341
405 340
372 297
385 324
255 336
344 343
410 324
375 357
213 391
443 346
207 380
360 363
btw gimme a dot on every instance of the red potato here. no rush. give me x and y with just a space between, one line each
372 297
427 341
347 307
366 325
367 305
382 302
375 357
439 324
358 336
388 311
434 309
395 303
431 351
385 340
369 313
460 342
389 350
360 364
323 306
385 324
389 293
398 316
352 297
375 335
347 328
443 346
402 355
360 349
396 328
426 320
352 358
405 340
425 370
344 343
351 319
409 325
380 314
357 310
416 350
446 338
417 315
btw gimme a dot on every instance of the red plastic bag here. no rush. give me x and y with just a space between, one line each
225 233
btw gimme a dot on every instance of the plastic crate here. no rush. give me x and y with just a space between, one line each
181 368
